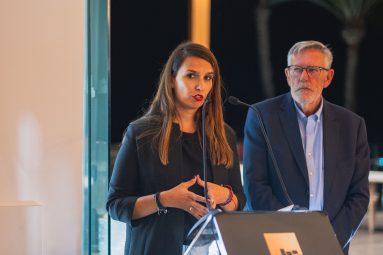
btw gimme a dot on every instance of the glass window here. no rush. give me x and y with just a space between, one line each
96 133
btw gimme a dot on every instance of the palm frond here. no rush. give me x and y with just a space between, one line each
345 10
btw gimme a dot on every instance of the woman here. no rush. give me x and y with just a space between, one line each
156 186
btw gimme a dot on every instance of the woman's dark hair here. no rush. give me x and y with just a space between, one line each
163 109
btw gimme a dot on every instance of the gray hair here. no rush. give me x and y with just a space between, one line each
306 45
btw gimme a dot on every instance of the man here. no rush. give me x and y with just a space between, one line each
321 148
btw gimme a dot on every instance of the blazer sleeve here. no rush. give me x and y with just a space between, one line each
235 173
123 186
347 220
257 188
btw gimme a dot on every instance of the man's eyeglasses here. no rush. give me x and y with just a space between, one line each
312 71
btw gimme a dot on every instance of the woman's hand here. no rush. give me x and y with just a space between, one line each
218 194
180 197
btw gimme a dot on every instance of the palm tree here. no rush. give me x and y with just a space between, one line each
352 14
262 13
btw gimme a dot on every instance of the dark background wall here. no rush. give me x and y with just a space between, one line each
143 33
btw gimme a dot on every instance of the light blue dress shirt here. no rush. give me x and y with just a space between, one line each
311 129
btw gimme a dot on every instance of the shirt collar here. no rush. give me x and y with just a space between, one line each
317 114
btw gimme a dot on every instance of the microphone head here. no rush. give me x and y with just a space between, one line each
233 100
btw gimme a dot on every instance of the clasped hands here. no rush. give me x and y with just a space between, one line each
181 197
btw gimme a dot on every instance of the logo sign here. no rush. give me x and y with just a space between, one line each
282 244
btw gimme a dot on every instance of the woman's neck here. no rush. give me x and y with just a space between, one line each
187 122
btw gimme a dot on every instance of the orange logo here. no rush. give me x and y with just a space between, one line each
282 244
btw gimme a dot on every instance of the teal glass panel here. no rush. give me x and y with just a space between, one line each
96 143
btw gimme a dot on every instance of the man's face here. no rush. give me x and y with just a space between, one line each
307 76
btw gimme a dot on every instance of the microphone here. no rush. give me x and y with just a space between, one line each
204 163
235 101
204 221
204 156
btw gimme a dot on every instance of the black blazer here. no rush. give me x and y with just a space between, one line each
138 172
346 163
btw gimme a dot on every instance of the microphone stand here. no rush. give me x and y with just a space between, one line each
201 223
204 167
235 101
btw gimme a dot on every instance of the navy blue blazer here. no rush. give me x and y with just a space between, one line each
346 163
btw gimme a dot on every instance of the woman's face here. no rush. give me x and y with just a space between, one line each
192 84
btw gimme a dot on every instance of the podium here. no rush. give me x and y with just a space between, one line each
262 233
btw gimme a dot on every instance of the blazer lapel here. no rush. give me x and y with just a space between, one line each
330 141
290 126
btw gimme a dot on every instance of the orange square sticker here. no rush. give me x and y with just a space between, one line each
282 244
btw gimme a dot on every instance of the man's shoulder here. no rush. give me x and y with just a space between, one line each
274 102
340 111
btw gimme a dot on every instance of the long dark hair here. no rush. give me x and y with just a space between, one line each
163 110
